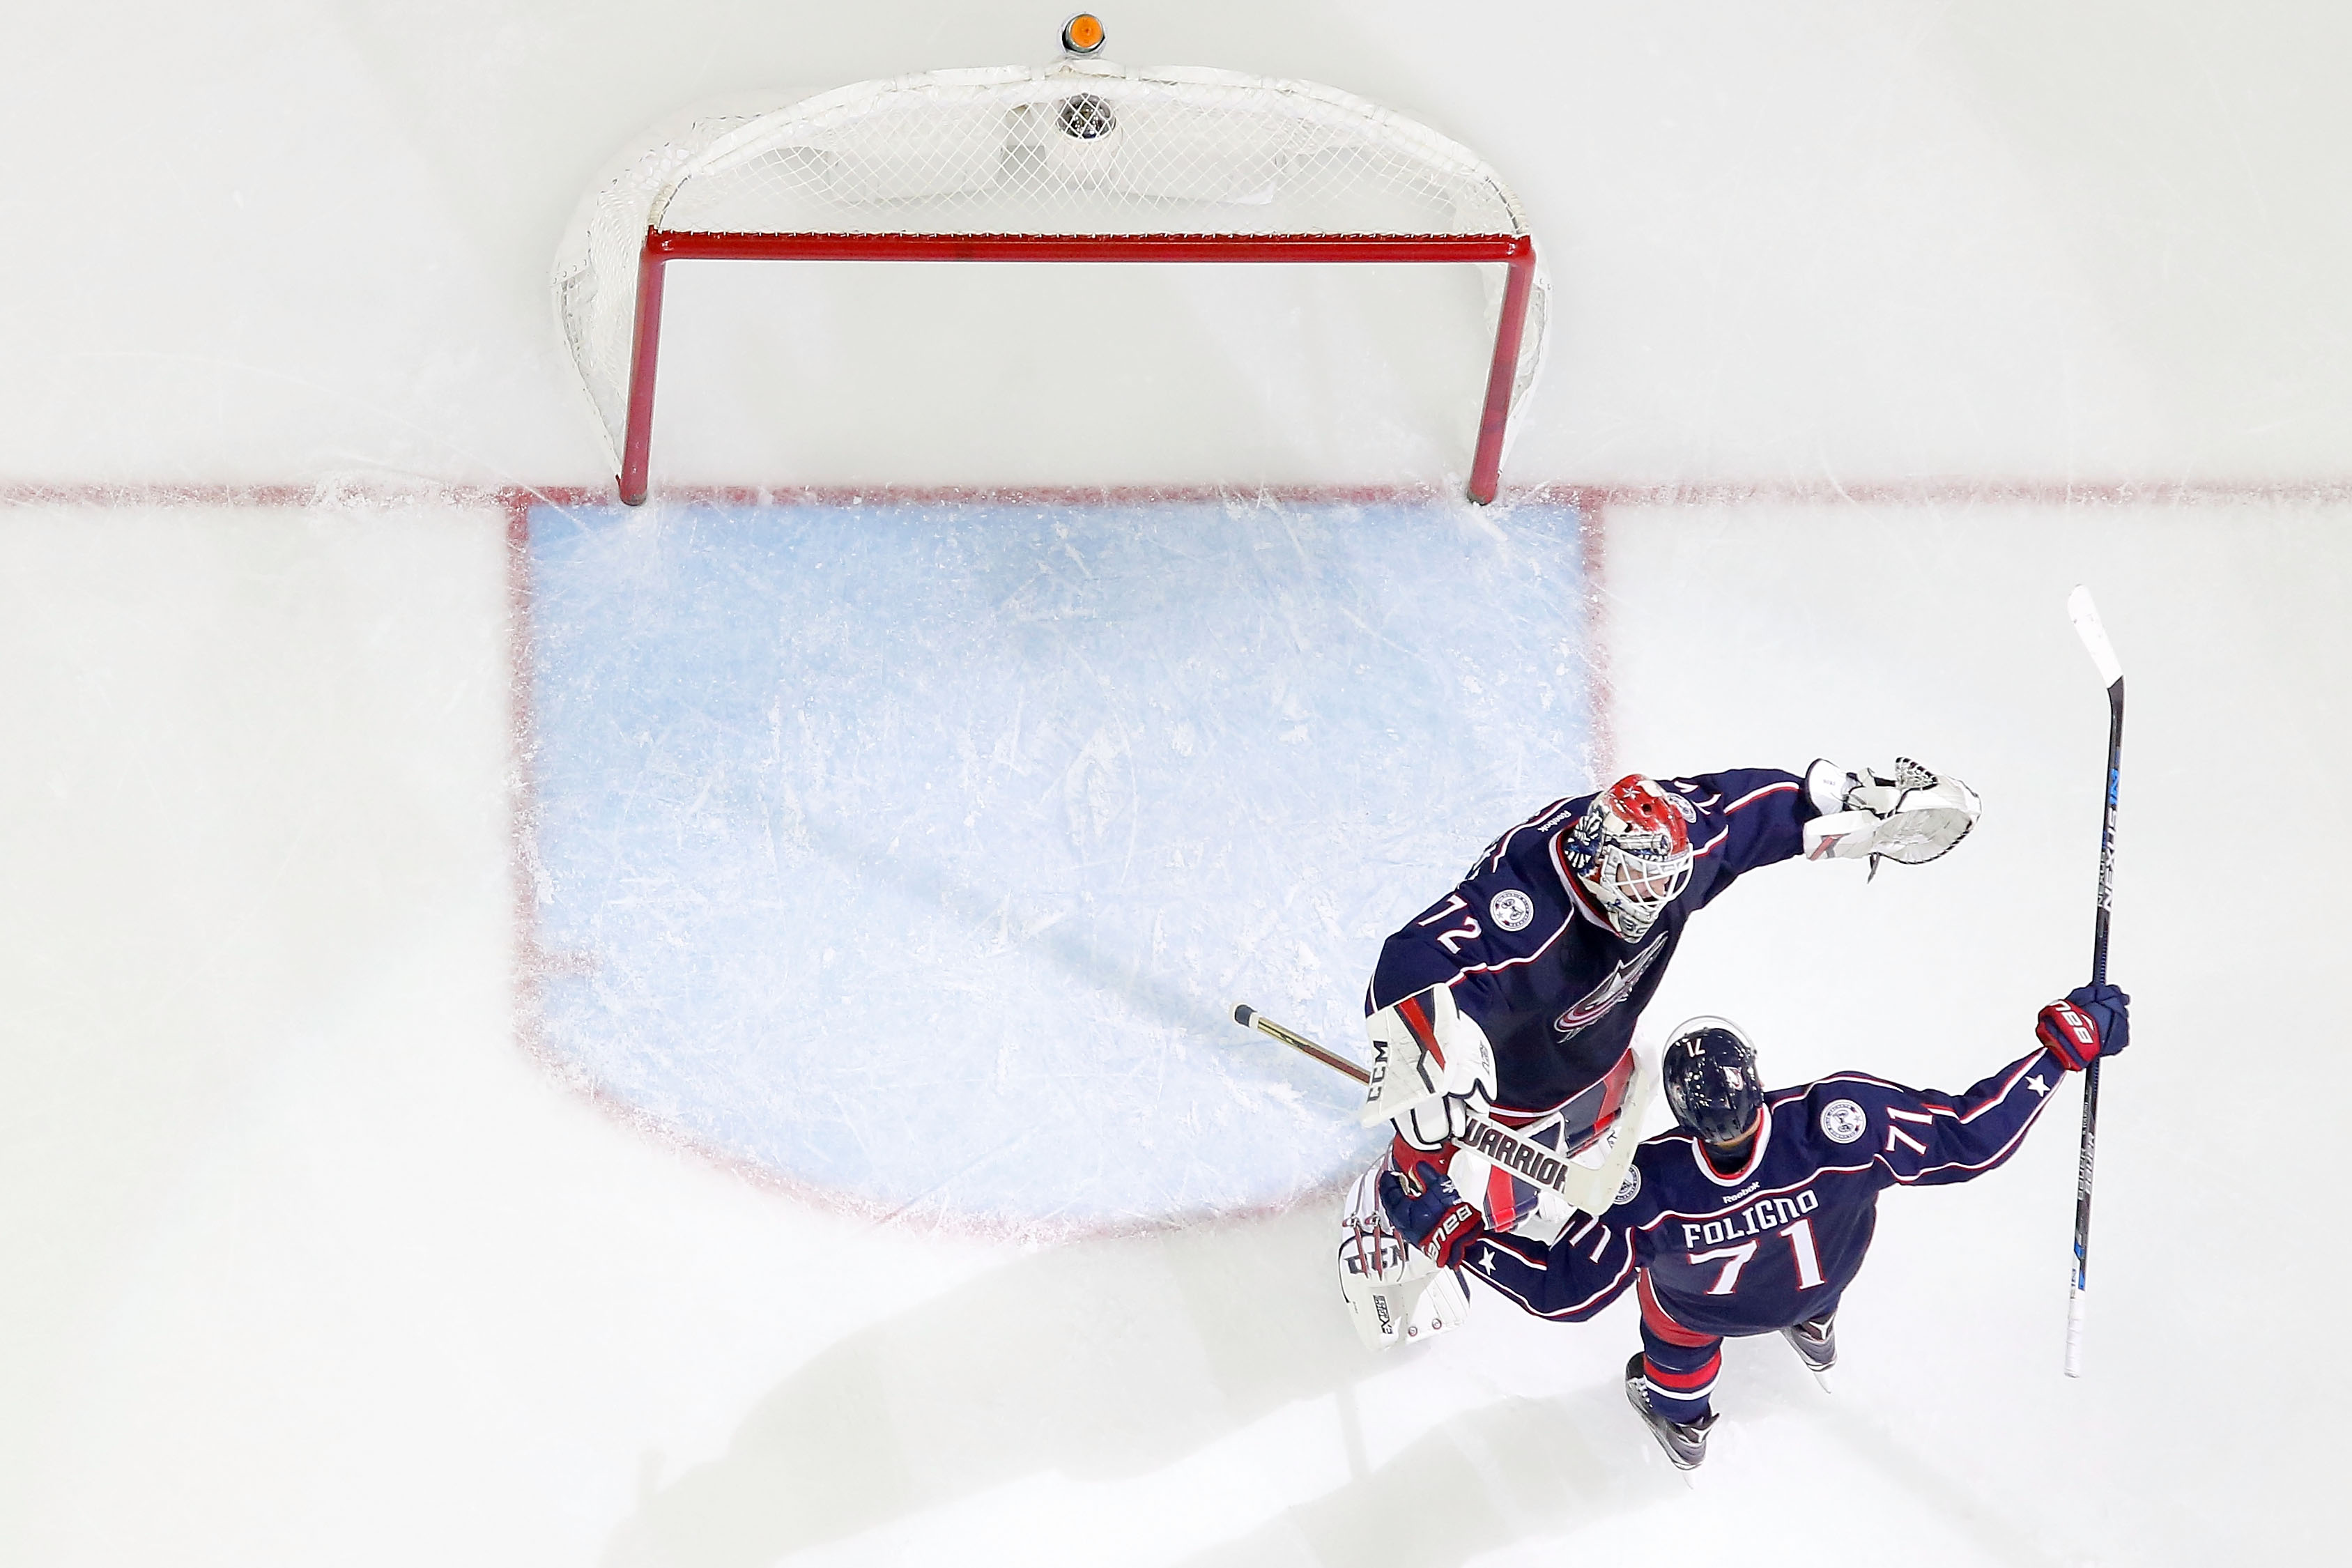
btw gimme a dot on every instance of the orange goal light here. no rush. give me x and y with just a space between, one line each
1083 34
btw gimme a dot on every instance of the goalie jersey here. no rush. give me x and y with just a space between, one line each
1773 1243
1533 963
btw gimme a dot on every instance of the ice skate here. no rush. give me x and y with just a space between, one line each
1815 1343
1683 1441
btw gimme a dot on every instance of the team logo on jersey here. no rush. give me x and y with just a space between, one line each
1630 1188
1609 992
1842 1121
1511 909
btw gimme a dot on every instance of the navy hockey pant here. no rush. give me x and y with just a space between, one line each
1678 1364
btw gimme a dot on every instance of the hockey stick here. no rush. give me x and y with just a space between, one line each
2086 616
1249 1018
1588 1178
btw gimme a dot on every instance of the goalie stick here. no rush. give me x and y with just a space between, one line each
1588 1177
2086 616
1249 1018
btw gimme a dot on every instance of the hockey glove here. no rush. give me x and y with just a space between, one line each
1422 1159
1429 1213
2093 1021
1911 818
1424 1049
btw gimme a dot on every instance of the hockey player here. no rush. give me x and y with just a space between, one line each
1518 991
1754 1215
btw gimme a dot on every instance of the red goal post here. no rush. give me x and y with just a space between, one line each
1078 161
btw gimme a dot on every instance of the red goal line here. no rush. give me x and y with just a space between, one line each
1589 496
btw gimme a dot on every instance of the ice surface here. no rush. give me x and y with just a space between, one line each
920 852
303 1261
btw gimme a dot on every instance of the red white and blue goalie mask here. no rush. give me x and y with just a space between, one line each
1631 852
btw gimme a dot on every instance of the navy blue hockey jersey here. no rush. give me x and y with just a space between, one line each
1774 1242
1533 963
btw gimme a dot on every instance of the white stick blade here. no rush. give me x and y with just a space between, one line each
2086 616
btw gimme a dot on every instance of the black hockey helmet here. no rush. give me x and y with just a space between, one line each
1711 1080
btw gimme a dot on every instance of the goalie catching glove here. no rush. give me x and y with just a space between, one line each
1911 818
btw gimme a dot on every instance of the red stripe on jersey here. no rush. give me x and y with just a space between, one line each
1502 1211
1416 1018
1654 1317
1618 1079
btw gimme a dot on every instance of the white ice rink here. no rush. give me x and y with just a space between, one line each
1878 327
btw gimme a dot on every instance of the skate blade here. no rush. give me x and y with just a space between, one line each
1688 1477
1823 1379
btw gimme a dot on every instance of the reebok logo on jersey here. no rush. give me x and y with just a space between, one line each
1609 992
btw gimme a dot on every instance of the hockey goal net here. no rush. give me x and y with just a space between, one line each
1077 161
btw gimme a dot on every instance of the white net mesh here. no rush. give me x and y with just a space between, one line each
1079 147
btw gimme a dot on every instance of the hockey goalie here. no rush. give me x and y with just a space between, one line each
1502 1015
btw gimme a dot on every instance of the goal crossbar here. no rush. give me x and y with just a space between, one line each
662 247
1079 160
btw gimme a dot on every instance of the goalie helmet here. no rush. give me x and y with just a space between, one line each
1631 850
1711 1081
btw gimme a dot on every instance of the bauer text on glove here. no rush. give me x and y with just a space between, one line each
1431 1215
2093 1021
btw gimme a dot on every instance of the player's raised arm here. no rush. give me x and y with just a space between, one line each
1924 1138
1742 818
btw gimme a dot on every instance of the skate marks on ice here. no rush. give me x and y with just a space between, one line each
1524 1479
915 852
1096 1397
1506 1472
1102 1366
1780 1429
